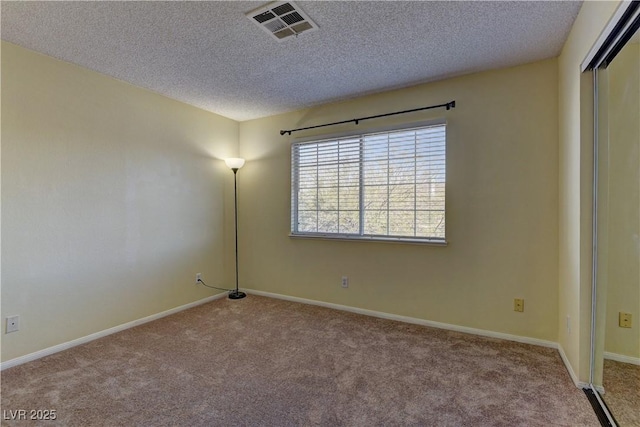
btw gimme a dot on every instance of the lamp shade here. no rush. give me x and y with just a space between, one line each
234 162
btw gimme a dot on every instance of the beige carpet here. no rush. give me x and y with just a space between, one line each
266 362
622 392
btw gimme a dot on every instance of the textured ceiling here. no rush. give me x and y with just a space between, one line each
208 54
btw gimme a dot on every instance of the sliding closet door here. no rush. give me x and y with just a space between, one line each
616 369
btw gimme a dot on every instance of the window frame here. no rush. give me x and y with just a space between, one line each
363 237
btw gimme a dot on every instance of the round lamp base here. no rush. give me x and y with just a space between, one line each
236 295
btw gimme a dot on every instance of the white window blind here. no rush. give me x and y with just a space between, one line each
388 185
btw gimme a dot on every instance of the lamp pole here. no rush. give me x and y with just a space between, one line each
236 294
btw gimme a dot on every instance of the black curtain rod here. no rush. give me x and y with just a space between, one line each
448 106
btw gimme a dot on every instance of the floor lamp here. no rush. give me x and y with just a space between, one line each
234 164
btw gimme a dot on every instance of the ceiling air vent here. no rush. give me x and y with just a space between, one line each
282 19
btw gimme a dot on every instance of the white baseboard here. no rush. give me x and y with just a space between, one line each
83 340
406 319
474 331
481 332
622 358
572 374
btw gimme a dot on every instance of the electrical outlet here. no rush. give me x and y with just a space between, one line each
568 325
345 281
13 323
624 320
518 304
198 278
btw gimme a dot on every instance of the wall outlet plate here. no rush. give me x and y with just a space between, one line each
624 320
13 323
518 304
345 282
198 278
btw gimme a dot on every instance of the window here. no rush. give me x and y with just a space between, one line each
384 185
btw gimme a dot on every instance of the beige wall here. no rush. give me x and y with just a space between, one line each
112 201
575 186
502 206
623 201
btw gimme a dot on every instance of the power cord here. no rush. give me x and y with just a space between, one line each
213 287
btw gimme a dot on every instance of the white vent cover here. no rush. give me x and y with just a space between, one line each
282 19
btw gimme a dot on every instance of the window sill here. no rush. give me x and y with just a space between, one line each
350 238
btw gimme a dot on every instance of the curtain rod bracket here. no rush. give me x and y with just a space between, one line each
448 106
